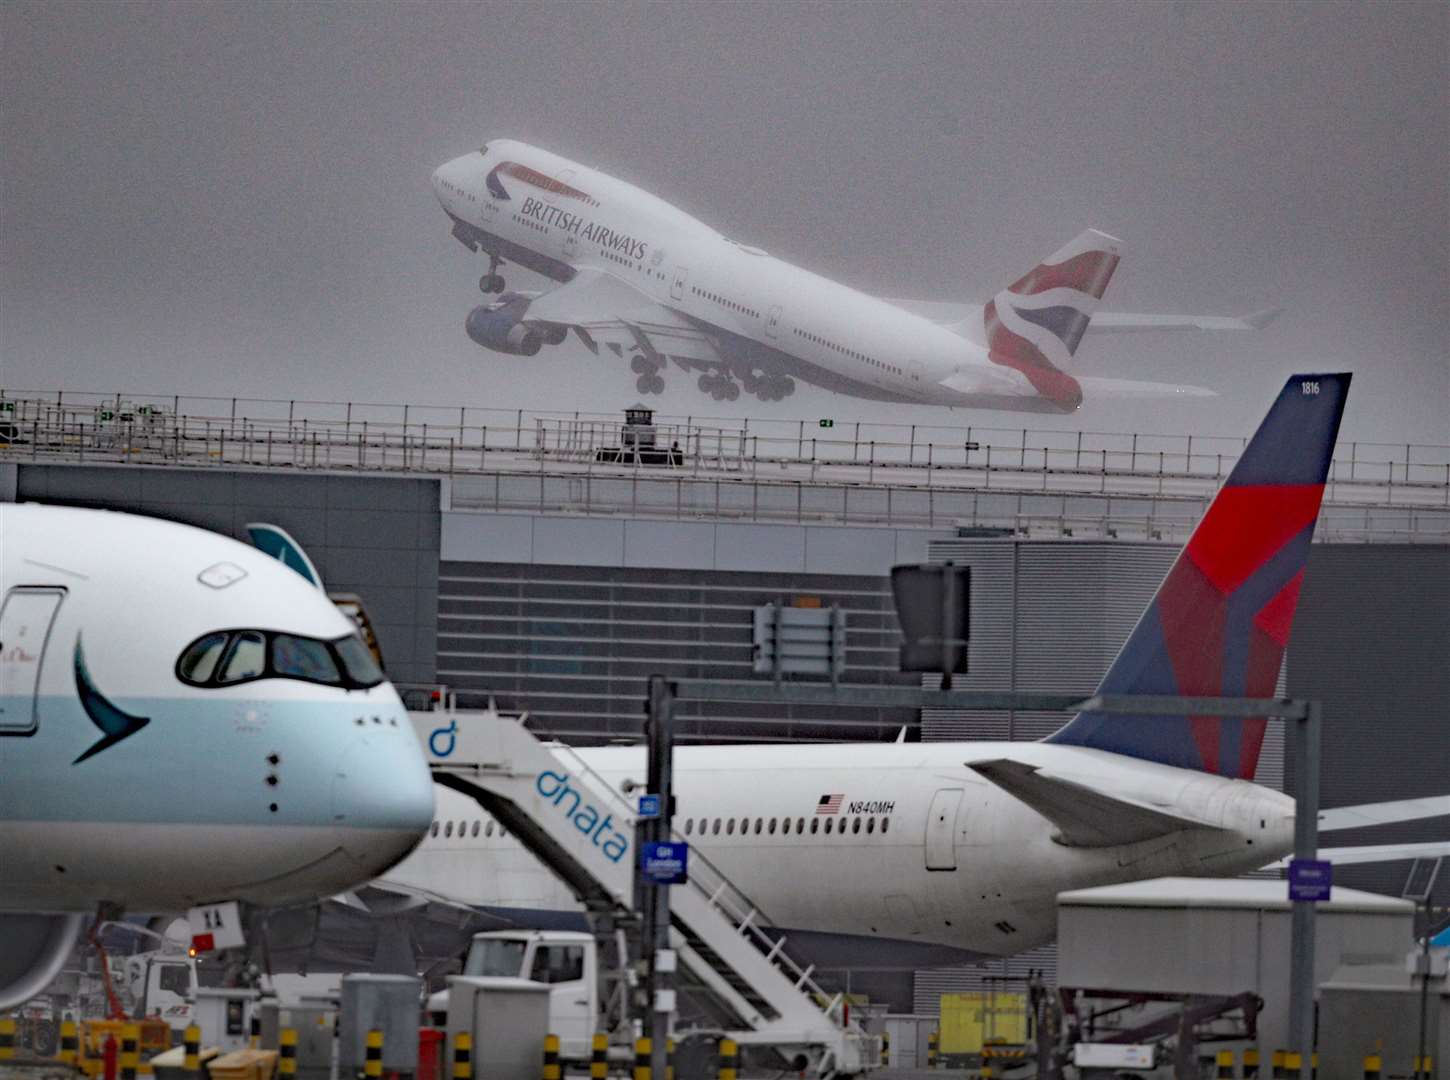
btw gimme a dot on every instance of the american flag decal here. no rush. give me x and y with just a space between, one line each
829 804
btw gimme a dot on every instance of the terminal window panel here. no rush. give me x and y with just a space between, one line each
574 646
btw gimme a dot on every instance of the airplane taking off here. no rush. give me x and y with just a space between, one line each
183 721
939 852
649 282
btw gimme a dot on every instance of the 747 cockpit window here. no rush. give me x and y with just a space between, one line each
229 657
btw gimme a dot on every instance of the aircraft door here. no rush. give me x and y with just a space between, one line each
941 827
772 321
677 285
25 623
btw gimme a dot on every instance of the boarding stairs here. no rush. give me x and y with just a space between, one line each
566 815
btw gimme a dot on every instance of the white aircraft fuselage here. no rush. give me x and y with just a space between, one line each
657 286
920 848
123 782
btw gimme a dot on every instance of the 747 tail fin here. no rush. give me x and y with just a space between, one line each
1220 621
1034 325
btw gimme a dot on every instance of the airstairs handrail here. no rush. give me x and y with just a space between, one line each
746 915
715 930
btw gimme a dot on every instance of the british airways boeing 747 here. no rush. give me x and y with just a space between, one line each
648 282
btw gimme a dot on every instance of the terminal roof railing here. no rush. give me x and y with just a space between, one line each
1093 483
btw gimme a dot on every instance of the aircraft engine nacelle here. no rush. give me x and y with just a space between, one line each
500 327
33 949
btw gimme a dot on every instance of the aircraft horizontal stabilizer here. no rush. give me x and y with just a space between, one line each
1125 322
1385 813
1084 816
1375 853
1098 388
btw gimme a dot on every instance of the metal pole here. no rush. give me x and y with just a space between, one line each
660 983
1306 846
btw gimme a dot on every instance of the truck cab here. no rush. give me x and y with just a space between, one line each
162 985
564 960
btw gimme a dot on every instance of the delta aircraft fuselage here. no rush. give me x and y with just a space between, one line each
897 843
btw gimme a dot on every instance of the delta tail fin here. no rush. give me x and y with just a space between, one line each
1034 325
1220 621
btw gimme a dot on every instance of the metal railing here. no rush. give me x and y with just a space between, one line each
579 464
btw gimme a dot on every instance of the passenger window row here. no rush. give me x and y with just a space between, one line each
820 824
854 354
707 826
465 828
723 302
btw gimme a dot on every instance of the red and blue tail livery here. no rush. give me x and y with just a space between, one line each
1220 622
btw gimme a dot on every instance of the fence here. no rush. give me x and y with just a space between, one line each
588 464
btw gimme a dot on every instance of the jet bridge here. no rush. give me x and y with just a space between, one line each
583 830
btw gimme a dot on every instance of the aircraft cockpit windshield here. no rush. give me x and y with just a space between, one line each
229 657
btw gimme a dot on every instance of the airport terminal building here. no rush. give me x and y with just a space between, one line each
551 566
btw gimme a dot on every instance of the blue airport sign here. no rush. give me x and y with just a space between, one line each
1310 879
649 806
665 864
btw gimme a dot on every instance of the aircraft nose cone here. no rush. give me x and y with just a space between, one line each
382 796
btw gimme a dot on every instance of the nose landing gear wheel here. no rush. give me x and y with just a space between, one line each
491 283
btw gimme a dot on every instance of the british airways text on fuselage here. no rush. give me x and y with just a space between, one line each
592 231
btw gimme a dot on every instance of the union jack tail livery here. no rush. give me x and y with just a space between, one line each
1220 621
1034 325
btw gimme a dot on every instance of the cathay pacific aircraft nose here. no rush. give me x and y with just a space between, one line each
382 794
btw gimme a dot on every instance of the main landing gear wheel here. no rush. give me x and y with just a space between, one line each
640 366
650 384
492 282
719 387
774 389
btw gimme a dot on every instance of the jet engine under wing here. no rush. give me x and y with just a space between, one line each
1084 816
607 308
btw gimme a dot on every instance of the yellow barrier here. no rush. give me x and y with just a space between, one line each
463 1056
7 1037
643 1048
931 1044
130 1050
191 1042
599 1057
729 1059
69 1044
373 1055
551 1058
287 1053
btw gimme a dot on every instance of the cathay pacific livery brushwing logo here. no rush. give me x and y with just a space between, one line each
115 724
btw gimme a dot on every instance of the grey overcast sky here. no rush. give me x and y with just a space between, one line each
233 199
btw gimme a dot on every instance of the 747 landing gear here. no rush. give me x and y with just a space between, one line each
771 387
492 282
650 380
719 387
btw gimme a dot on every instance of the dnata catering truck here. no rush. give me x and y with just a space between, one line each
564 960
